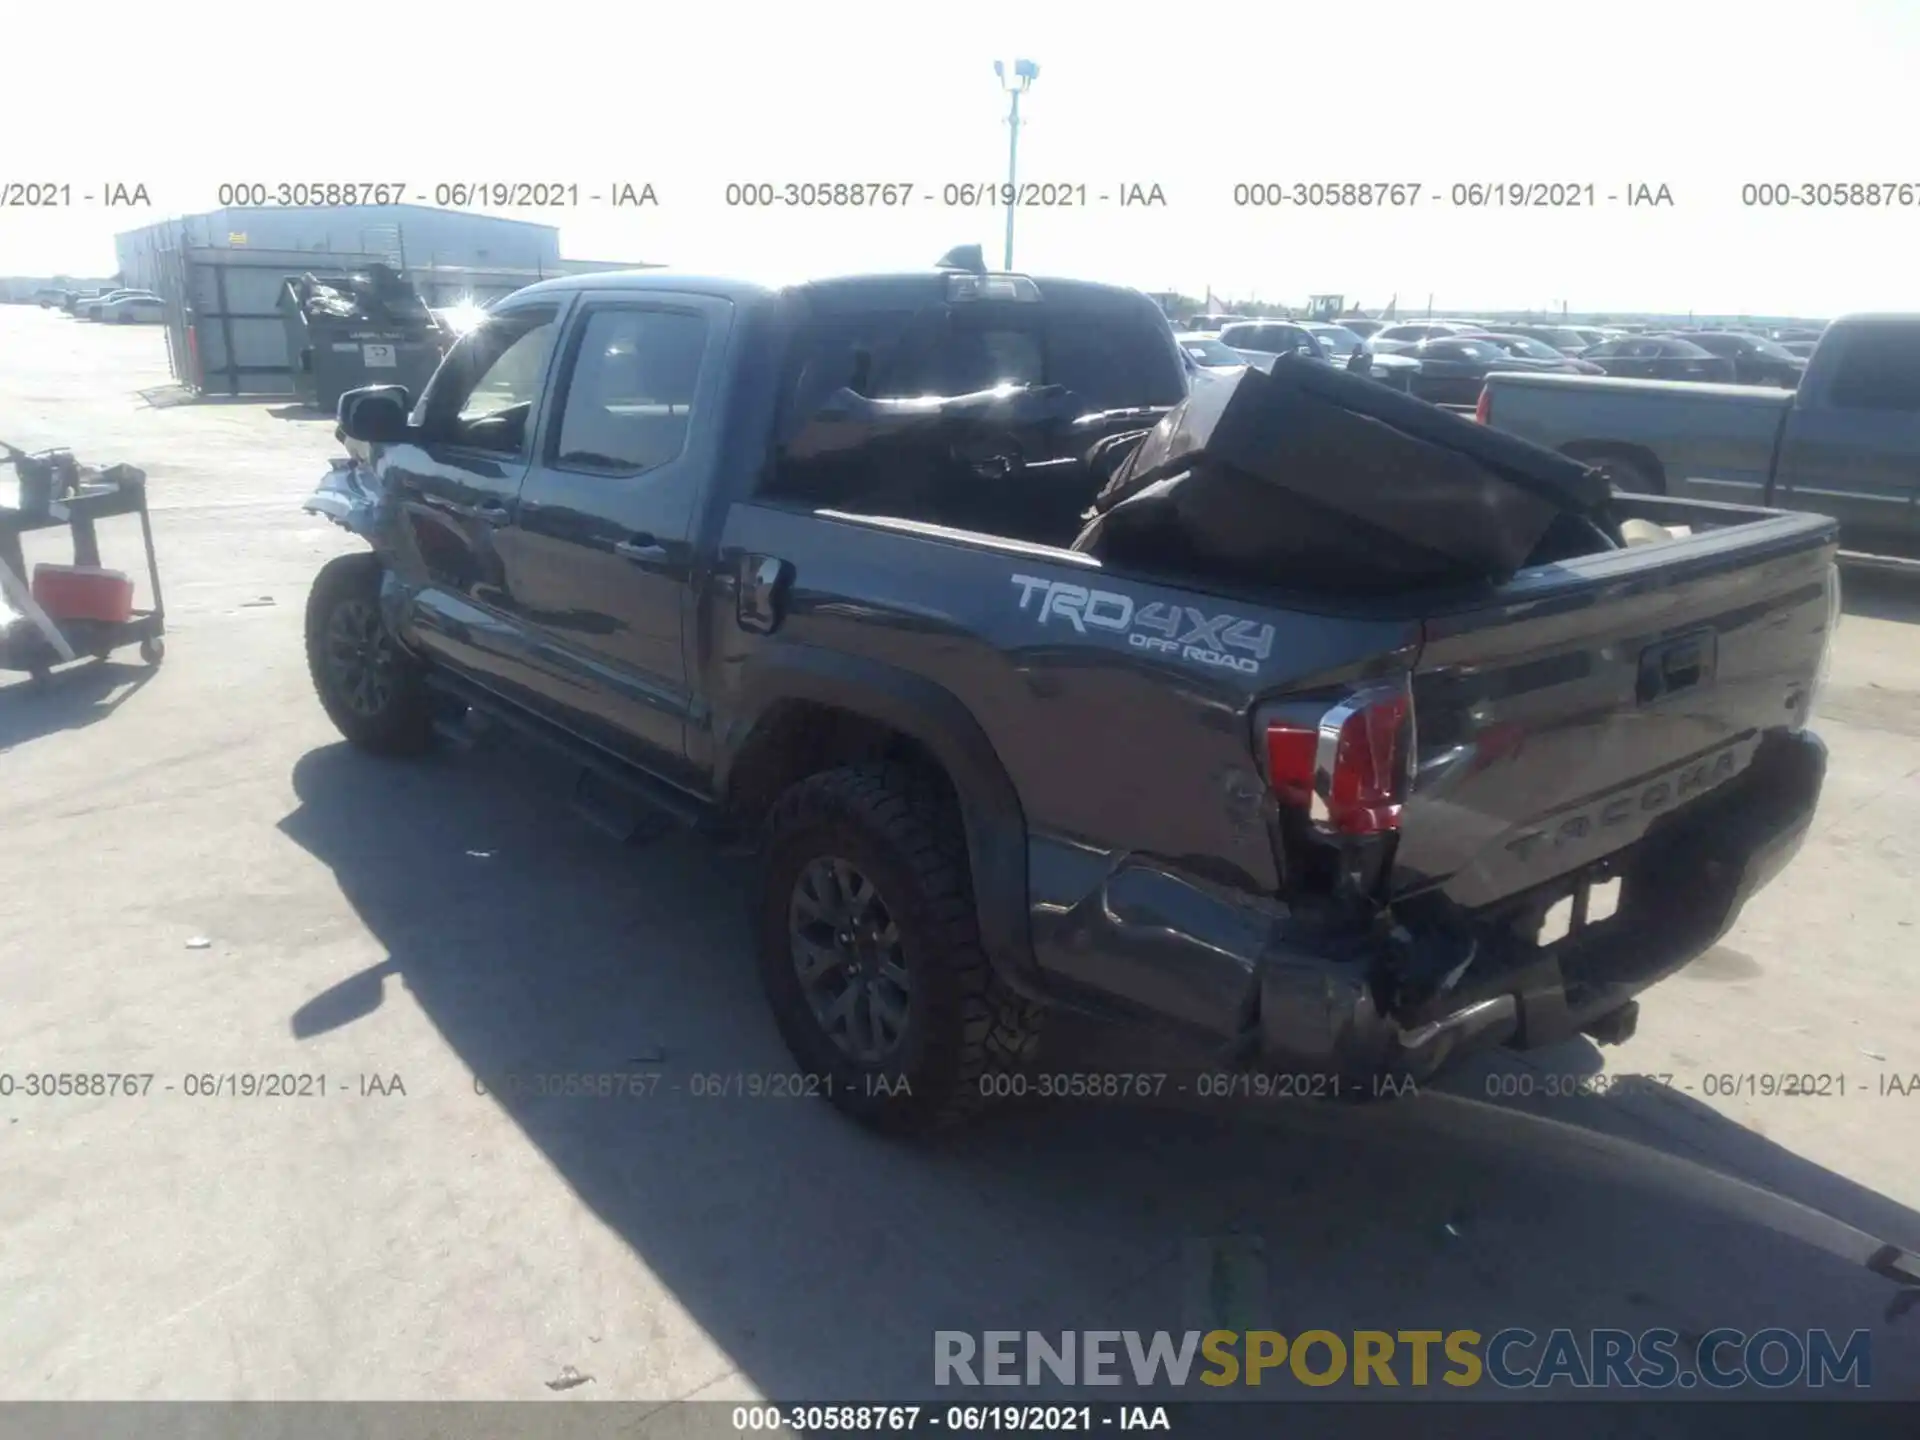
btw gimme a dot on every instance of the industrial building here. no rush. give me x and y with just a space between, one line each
222 274
406 235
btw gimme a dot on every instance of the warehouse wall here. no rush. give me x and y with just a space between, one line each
425 235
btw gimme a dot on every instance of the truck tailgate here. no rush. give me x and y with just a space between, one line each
1566 715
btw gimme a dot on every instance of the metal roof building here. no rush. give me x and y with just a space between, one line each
409 235
221 274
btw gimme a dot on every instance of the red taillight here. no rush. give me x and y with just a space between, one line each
1349 772
1483 408
1290 760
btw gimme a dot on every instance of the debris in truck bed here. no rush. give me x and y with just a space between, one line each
1309 478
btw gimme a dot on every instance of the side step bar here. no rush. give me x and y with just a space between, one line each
614 797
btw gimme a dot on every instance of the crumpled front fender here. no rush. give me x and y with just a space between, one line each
350 496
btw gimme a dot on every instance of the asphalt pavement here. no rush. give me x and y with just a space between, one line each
202 882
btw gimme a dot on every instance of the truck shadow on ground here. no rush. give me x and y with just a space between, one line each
822 1259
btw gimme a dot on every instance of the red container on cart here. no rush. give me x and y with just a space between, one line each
80 592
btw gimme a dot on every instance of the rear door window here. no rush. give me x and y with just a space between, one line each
1879 369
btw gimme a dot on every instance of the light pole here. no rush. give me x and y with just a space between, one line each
1025 72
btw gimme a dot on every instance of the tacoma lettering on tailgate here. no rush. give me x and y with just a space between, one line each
1177 630
1646 801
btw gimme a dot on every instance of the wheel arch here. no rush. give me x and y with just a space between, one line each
804 709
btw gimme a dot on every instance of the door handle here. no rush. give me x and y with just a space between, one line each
641 547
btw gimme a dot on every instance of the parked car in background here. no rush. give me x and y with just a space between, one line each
1756 360
1401 337
1361 326
90 309
1796 334
1264 341
1525 347
1800 348
1656 357
1207 352
75 302
1208 323
1335 337
131 310
1454 367
1567 339
1846 443
1347 349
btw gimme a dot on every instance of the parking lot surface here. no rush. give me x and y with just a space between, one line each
409 934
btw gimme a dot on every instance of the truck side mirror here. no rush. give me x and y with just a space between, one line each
375 414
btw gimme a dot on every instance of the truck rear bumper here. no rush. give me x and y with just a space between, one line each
1147 941
1683 887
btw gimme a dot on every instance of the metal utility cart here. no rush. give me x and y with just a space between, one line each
55 493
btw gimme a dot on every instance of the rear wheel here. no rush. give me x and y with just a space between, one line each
870 952
373 691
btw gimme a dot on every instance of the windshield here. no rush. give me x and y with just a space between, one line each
1717 344
1270 339
1209 351
1338 339
1466 350
1529 347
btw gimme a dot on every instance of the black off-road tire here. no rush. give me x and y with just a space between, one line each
963 1025
401 723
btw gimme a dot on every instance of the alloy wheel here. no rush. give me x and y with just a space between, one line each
847 955
360 657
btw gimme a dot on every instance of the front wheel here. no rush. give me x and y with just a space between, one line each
870 951
374 691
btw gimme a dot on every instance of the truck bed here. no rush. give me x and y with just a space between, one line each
1148 875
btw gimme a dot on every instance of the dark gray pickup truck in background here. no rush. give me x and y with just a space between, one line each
1845 444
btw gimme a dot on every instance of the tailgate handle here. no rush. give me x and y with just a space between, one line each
1676 665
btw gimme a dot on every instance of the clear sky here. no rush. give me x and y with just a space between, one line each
1698 95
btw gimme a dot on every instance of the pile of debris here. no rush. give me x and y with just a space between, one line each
380 297
1326 482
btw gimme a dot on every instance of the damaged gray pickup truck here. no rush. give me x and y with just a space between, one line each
1281 710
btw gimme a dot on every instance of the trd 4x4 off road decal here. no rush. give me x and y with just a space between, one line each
1178 630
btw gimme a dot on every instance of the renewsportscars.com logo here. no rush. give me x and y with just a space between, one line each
1512 1359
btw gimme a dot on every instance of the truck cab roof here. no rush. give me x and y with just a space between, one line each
901 288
